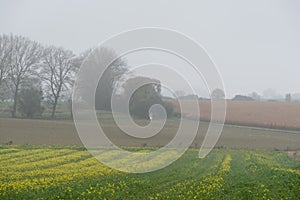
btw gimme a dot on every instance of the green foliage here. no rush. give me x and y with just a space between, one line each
142 99
30 102
145 96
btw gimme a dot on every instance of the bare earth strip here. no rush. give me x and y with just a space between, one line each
39 132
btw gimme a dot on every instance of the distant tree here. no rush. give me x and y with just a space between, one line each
99 58
271 94
5 56
288 97
5 91
180 93
242 98
190 97
218 94
25 57
255 96
145 96
30 102
109 80
58 72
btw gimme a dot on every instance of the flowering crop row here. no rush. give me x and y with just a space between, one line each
72 173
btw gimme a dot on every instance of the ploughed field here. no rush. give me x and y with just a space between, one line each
281 115
51 132
62 172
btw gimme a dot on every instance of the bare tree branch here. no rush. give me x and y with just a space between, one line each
57 70
25 57
5 56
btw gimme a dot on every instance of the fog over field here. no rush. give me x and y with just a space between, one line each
255 44
157 100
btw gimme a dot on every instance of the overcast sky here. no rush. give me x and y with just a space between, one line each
255 43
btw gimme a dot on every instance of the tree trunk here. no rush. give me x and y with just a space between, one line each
14 111
54 108
71 111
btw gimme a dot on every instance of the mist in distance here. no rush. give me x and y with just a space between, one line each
255 44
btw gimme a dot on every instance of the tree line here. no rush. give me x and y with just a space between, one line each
31 72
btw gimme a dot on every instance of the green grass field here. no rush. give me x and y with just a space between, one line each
57 172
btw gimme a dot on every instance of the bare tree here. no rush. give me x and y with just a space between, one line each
5 56
218 94
288 97
255 96
57 73
25 57
98 60
109 79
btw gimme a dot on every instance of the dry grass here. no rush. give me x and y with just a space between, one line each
280 115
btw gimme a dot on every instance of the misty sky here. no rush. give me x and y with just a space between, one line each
255 44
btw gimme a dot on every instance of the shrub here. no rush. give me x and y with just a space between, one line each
30 102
